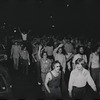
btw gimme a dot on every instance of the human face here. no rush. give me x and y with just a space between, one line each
44 55
98 50
80 66
81 50
57 67
60 50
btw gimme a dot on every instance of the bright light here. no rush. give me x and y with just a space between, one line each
67 5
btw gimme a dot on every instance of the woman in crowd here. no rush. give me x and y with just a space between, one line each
15 54
45 64
78 79
94 65
58 55
25 59
53 81
80 54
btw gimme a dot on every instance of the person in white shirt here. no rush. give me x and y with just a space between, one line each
94 65
78 79
15 54
80 54
58 55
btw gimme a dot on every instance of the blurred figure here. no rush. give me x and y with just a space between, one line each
15 54
25 59
58 55
94 66
78 79
45 64
80 54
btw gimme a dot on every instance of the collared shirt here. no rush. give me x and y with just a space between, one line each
80 79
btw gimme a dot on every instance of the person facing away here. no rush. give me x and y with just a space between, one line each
79 77
53 82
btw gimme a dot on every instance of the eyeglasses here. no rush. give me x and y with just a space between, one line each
57 66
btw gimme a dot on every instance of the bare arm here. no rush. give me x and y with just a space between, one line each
19 30
48 78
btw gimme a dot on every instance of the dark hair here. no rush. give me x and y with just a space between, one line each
24 47
43 53
78 60
55 62
95 48
78 49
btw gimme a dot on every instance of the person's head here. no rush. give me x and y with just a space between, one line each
79 64
24 32
16 43
59 51
81 50
24 47
96 49
56 66
44 55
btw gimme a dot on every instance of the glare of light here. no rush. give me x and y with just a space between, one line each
67 5
50 16
14 30
53 25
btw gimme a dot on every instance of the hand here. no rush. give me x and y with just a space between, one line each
60 45
40 46
28 63
69 68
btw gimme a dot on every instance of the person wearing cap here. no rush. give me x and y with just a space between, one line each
78 79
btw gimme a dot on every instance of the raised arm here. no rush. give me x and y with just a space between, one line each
55 50
19 30
28 31
39 52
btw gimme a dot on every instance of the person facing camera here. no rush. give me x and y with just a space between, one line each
52 82
78 79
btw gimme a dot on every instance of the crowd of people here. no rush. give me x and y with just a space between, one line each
53 57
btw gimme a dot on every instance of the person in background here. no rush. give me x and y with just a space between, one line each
80 54
24 35
53 82
25 59
49 49
78 79
15 54
58 55
94 66
45 64
36 62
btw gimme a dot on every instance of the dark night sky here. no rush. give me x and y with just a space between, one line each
81 16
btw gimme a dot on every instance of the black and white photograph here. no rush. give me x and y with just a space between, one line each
49 49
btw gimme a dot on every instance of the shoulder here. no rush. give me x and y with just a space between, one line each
49 75
74 72
85 72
